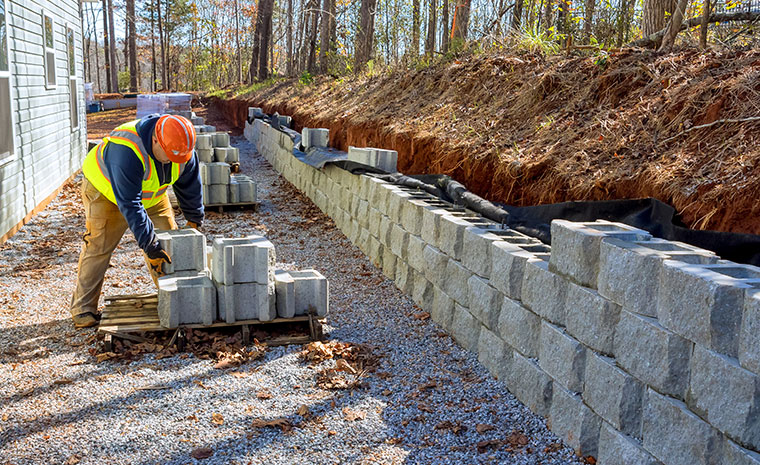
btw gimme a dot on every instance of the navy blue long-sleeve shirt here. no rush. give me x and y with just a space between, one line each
126 172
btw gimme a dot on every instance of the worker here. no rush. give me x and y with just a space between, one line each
125 181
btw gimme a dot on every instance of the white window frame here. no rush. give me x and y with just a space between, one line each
13 154
71 54
47 50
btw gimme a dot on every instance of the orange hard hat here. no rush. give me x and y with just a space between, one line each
176 135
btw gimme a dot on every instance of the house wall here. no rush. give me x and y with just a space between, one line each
48 151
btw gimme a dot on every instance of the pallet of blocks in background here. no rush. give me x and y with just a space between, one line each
128 316
222 207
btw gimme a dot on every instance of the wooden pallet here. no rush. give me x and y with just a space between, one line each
221 207
127 316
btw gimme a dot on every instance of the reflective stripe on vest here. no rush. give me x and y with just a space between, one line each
94 167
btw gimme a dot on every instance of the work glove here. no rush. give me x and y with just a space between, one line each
193 225
157 256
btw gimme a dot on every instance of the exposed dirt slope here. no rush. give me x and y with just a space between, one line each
526 130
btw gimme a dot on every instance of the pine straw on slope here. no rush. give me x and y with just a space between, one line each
524 130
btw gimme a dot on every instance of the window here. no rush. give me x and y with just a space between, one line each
49 43
73 91
6 109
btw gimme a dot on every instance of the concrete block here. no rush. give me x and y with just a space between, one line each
411 216
629 271
285 294
415 253
615 448
519 327
246 189
255 112
285 121
749 338
544 292
494 354
396 200
576 246
220 154
530 384
219 173
204 141
703 305
562 357
455 282
422 292
203 169
373 221
436 265
233 195
613 394
248 259
205 155
399 239
385 230
508 268
726 395
218 193
314 137
197 120
668 422
186 300
385 160
443 309
375 253
312 292
651 353
205 194
451 235
389 263
484 302
431 224
362 213
574 422
465 328
246 301
186 247
404 277
737 455
233 155
221 139
476 249
591 318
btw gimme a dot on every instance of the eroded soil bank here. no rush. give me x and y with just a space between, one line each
525 130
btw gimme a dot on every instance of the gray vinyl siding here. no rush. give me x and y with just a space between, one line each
47 151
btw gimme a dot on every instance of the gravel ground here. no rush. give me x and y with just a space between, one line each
428 401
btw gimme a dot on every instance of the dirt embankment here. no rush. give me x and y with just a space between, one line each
526 130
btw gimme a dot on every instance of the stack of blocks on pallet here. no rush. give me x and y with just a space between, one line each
637 350
220 186
242 283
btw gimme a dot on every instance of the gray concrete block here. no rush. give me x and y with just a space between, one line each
576 246
203 169
591 318
667 422
562 357
396 200
726 395
651 353
204 141
508 268
431 224
246 189
375 251
702 305
186 300
373 221
248 259
629 271
411 216
205 194
436 265
205 155
399 239
285 294
737 455
255 112
451 235
484 302
385 230
749 338
389 263
443 309
544 292
415 253
385 160
233 155
312 292
530 384
221 139
233 195
362 213
422 292
465 328
494 354
220 154
519 327
615 448
613 394
246 301
219 173
315 137
404 277
186 247
455 282
574 422
218 194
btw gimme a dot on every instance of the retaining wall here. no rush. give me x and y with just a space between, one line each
636 350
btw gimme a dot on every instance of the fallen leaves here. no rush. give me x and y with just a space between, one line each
283 423
153 387
318 351
217 419
422 316
482 428
515 440
263 395
455 428
62 381
353 415
202 453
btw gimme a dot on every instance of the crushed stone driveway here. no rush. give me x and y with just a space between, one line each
424 400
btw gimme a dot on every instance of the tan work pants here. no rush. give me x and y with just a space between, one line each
105 226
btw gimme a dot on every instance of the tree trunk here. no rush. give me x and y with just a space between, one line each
430 41
97 58
324 36
289 65
653 40
414 49
107 47
168 45
132 45
517 15
674 27
314 10
703 26
547 16
112 48
153 48
162 45
445 33
237 43
461 21
365 35
654 17
588 19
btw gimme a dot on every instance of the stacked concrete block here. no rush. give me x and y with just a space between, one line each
244 189
312 293
186 300
385 160
562 357
187 249
576 247
204 148
570 418
244 272
591 318
315 138
255 112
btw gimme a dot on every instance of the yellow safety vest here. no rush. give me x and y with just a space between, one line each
95 170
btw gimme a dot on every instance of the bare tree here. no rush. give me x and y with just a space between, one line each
445 34
324 35
588 19
654 16
314 12
365 34
162 44
517 15
703 27
414 49
289 66
675 25
430 40
461 21
132 41
107 47
112 48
